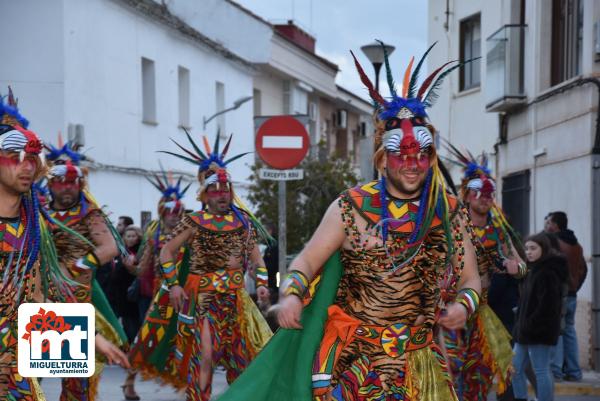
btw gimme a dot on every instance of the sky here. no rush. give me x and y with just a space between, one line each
343 25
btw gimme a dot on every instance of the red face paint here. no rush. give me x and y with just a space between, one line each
419 161
217 194
30 161
61 185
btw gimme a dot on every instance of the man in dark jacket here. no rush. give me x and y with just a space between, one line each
565 364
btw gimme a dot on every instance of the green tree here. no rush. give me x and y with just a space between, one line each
307 199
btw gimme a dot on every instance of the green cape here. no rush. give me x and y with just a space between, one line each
283 369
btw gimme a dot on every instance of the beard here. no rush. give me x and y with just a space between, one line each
407 190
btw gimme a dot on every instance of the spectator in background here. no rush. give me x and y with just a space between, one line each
104 273
537 326
565 363
123 277
123 223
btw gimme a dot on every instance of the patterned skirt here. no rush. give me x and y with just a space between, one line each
168 345
358 362
479 353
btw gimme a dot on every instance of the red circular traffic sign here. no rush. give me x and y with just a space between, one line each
282 142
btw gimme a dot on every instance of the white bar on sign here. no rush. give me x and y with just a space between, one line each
281 142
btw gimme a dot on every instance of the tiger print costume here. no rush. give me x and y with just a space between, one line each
482 350
213 272
78 262
376 351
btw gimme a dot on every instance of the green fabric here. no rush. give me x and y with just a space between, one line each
283 369
102 305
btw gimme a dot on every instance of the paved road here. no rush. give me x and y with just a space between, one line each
113 378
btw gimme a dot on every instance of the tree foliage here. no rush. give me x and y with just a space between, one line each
306 199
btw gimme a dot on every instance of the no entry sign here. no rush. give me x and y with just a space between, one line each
282 142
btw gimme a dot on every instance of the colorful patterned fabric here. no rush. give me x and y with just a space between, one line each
79 262
295 283
479 353
366 201
169 344
213 222
11 235
262 276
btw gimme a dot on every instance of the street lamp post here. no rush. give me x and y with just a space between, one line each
236 105
375 54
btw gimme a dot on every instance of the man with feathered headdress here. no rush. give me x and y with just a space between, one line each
72 205
216 321
363 297
482 350
29 269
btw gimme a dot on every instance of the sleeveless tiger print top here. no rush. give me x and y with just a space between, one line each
70 248
369 290
217 242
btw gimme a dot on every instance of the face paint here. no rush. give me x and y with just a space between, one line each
419 161
217 193
60 185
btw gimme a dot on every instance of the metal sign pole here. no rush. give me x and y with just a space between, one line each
282 230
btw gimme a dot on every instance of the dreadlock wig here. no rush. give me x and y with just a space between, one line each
403 129
171 192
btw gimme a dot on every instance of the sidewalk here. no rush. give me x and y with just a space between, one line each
589 385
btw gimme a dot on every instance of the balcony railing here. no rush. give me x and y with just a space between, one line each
504 88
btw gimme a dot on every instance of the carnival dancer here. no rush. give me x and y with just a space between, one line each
482 350
170 211
29 270
216 321
370 276
72 205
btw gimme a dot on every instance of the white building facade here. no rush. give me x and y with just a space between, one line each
532 100
124 76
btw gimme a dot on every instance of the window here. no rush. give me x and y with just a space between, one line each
567 27
515 201
183 80
220 106
470 47
148 91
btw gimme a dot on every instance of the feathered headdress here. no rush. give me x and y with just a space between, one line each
65 160
477 176
405 131
171 191
212 170
212 165
14 136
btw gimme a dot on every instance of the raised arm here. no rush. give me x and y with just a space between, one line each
328 238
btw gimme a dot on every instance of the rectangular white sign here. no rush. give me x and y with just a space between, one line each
280 175
56 340
281 142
